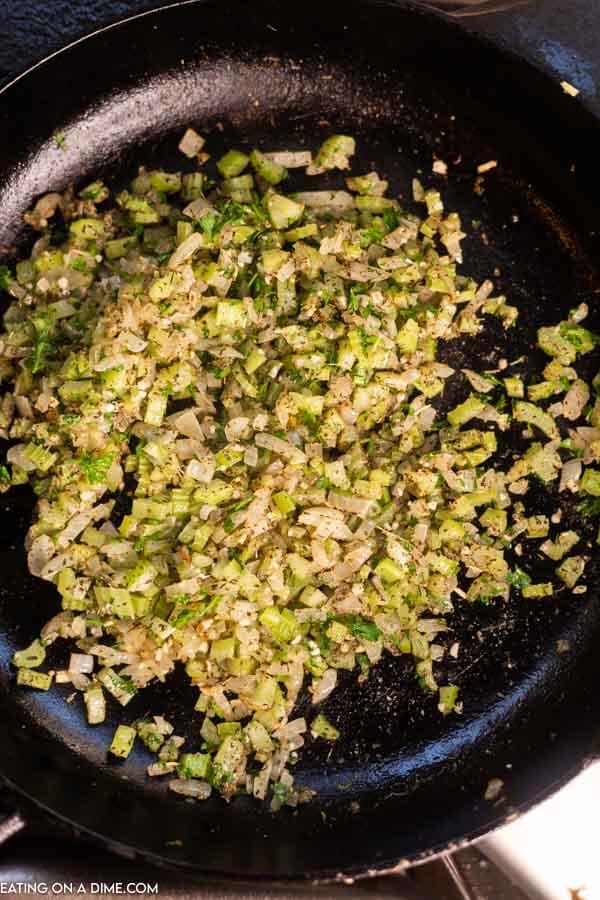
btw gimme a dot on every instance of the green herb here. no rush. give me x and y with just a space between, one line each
518 578
589 507
210 225
391 218
363 661
6 277
354 295
362 628
95 468
228 525
44 347
370 236
60 140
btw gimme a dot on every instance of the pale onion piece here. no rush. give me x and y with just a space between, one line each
160 768
326 201
237 428
186 249
281 447
251 457
322 688
294 727
477 381
519 487
290 159
406 231
81 663
320 556
47 205
191 787
441 370
163 726
73 529
198 208
187 423
484 291
62 677
23 405
575 400
451 241
216 693
314 451
286 271
79 681
487 166
109 530
440 167
260 783
245 684
40 553
16 457
357 506
580 313
110 362
325 524
427 416
569 89
374 650
187 586
491 414
363 273
258 508
188 448
494 788
133 342
420 532
191 143
431 626
352 562
555 409
56 625
201 469
314 515
570 475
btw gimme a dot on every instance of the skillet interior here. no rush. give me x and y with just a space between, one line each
408 86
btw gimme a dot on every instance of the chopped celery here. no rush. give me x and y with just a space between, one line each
40 681
571 569
267 169
122 689
466 411
232 163
283 211
448 696
122 742
284 503
95 705
30 658
322 728
533 415
194 765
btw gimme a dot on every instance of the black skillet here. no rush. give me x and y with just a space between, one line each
402 783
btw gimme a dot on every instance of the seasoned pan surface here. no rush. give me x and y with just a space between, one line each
402 782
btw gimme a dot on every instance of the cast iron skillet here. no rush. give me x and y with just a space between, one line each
403 782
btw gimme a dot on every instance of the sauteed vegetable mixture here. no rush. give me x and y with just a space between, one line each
231 403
